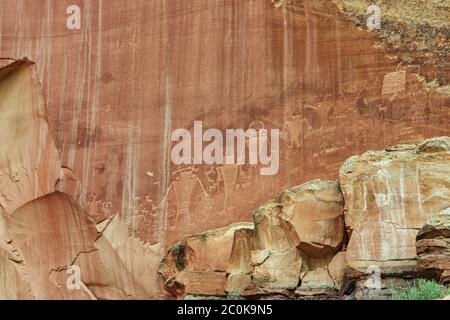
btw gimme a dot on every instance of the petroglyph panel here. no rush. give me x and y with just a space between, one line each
136 70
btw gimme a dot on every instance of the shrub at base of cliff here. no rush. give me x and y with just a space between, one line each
421 289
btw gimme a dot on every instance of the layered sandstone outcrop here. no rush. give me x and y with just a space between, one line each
295 239
433 247
296 232
296 248
138 70
119 86
389 195
210 263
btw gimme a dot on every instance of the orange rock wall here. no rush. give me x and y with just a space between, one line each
139 69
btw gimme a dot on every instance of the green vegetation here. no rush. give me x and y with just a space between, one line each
421 289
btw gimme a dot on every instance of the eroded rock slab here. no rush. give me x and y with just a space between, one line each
389 195
433 247
303 222
210 263
29 161
51 235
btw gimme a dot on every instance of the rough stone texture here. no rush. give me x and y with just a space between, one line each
433 247
12 285
29 161
52 233
316 282
139 69
295 239
240 266
141 260
203 283
336 269
280 270
218 260
419 28
389 195
315 211
306 220
43 233
309 217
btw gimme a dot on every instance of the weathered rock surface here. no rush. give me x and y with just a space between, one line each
301 223
389 195
420 28
211 263
141 260
29 161
310 217
433 247
135 72
337 268
281 269
296 238
240 266
295 248
12 285
49 235
316 282
45 236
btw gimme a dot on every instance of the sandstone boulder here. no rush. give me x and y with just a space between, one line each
389 195
317 282
240 266
309 217
281 269
218 261
197 283
337 268
301 223
433 247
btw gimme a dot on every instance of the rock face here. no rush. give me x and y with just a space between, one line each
296 239
389 195
50 248
87 183
303 223
29 161
138 70
12 285
211 263
51 236
433 247
421 47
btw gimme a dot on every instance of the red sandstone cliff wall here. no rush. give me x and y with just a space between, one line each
137 70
